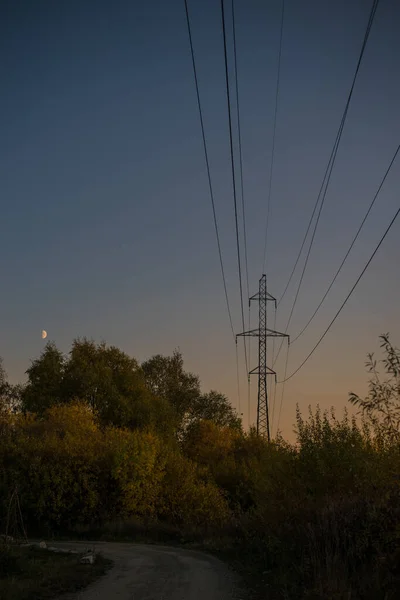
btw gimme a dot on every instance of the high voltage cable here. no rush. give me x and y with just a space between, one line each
283 388
273 353
241 180
346 299
332 157
327 175
248 376
240 148
233 172
270 180
273 405
208 169
238 377
351 246
274 134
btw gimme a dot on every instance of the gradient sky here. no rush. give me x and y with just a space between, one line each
106 226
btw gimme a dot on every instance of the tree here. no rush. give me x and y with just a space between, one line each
3 387
159 395
209 445
101 376
45 377
4 390
106 379
382 404
334 455
10 395
112 383
188 496
216 407
166 377
237 462
70 470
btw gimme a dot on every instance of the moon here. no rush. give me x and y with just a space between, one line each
44 334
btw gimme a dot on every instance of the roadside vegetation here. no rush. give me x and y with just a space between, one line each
98 445
31 573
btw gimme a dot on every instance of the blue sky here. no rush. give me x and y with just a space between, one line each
106 227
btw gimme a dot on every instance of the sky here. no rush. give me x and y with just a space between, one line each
106 226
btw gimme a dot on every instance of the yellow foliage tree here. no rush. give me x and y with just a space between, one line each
70 471
188 497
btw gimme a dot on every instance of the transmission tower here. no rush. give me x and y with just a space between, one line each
262 370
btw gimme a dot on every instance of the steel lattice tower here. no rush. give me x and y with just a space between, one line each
262 370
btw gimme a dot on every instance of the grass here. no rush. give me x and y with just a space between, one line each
36 574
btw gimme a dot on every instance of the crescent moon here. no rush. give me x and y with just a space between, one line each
44 334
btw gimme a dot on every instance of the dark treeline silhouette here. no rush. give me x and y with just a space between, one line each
97 443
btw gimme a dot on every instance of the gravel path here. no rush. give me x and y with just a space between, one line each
146 572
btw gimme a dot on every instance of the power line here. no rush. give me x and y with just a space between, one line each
351 245
208 169
241 178
332 158
278 76
248 375
274 403
233 171
273 354
238 379
346 299
328 173
240 149
283 389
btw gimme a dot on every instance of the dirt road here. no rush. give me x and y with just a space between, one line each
146 572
